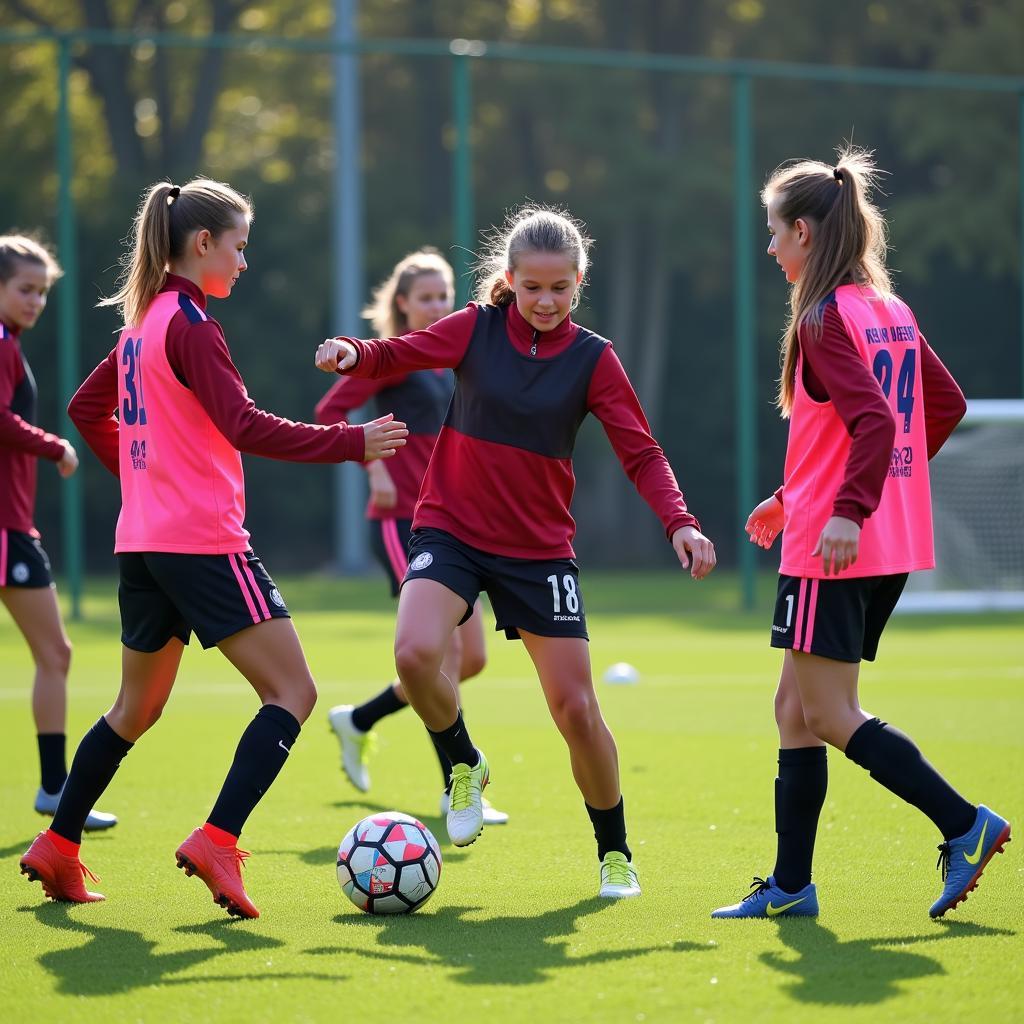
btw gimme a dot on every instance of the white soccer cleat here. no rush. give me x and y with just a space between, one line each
46 803
492 816
465 817
356 746
618 877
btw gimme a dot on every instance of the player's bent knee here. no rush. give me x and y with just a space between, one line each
416 661
577 715
472 665
56 659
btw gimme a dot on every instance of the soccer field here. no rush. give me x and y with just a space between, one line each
514 931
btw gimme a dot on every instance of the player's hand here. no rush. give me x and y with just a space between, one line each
383 493
336 356
384 436
694 551
765 523
68 462
838 545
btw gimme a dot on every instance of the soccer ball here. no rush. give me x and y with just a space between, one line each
389 863
622 674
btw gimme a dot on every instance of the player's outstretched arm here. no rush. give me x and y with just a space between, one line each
694 551
765 523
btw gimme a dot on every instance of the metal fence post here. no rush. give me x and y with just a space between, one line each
462 167
744 326
67 363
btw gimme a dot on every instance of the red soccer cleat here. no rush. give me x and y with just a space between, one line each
61 875
220 867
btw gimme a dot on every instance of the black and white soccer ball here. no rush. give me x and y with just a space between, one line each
389 863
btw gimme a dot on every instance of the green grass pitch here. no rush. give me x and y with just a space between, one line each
514 932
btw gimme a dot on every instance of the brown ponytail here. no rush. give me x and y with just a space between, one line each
849 240
166 218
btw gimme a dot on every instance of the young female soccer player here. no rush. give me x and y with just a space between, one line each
27 272
184 418
869 403
419 291
494 514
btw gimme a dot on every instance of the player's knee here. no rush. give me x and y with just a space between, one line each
416 660
55 658
576 715
822 723
789 712
473 663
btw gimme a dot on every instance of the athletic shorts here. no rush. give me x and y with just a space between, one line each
169 595
838 619
23 562
389 539
542 597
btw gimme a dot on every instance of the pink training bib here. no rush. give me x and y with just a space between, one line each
897 537
182 488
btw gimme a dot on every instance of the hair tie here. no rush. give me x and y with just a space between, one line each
173 194
838 175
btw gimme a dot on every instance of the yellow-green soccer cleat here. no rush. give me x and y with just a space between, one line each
465 818
356 746
618 877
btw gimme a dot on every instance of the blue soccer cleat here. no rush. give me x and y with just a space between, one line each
768 900
962 860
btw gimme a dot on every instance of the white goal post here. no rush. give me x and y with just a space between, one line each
977 484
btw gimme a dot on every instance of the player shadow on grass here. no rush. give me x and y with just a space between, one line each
493 951
117 960
861 971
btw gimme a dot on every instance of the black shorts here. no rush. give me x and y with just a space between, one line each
169 595
542 597
838 619
23 562
389 539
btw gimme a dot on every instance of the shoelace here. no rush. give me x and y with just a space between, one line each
943 862
87 873
617 872
462 784
758 885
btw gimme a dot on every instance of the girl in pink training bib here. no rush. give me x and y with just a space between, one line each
168 413
868 403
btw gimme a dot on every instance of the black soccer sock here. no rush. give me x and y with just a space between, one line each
609 829
893 759
261 754
53 768
455 743
368 714
96 760
444 761
799 796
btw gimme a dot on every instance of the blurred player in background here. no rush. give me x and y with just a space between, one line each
183 419
419 291
27 272
494 512
869 403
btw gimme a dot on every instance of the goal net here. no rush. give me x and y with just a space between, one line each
977 484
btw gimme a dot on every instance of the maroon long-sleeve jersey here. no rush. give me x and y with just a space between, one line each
500 477
835 372
420 401
22 443
198 354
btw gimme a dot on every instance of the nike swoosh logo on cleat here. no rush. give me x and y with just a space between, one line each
775 911
973 858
